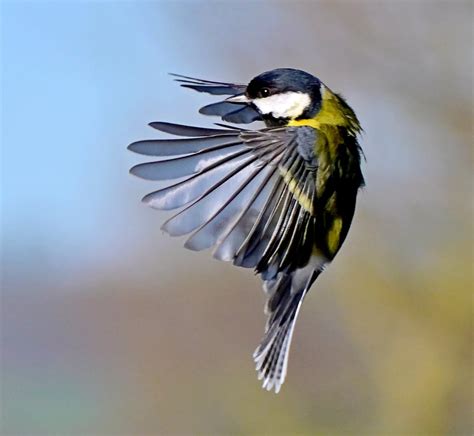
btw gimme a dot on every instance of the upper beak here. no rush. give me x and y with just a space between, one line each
239 98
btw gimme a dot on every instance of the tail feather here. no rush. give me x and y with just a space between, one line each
271 357
285 293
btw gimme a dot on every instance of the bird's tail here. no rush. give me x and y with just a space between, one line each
285 298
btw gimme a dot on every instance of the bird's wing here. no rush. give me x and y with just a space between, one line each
239 113
209 86
248 194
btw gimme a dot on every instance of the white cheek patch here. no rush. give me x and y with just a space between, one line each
286 105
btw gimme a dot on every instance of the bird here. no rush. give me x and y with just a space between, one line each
279 199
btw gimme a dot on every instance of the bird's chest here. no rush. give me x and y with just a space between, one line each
329 147
338 179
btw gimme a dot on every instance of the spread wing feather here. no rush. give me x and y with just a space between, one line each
209 86
235 196
183 130
238 113
173 147
249 195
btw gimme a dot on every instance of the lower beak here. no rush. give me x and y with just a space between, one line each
239 98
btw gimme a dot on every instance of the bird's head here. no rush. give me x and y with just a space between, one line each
282 95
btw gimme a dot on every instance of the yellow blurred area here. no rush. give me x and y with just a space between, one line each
110 327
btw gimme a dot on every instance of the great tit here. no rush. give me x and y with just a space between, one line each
279 199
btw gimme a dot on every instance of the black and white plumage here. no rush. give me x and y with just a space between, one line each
264 199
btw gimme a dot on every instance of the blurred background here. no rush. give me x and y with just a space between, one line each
110 327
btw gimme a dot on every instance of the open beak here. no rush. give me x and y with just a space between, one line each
239 98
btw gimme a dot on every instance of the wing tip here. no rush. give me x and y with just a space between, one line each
141 172
147 200
134 171
190 245
182 78
158 125
205 110
152 201
134 147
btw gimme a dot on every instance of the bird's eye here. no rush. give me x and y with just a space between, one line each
265 92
